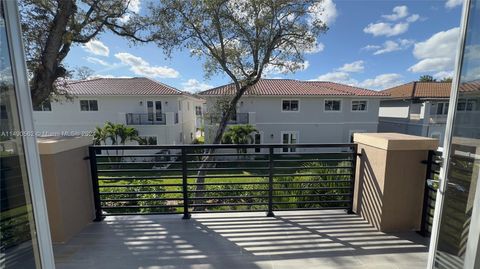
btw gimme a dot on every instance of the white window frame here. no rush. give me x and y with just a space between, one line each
333 111
444 111
261 140
357 111
88 100
42 107
289 111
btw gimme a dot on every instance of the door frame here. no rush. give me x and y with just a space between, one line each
473 233
32 157
297 133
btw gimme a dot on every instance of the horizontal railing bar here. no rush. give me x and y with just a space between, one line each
141 199
227 169
312 168
312 202
312 195
311 174
225 154
227 204
142 206
141 185
319 188
314 160
129 163
230 190
228 183
139 155
228 176
217 146
140 178
313 182
137 170
139 192
233 162
312 208
229 197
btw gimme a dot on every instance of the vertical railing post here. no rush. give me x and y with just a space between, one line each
352 177
270 182
96 190
186 213
428 175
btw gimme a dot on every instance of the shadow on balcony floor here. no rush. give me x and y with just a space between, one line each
298 240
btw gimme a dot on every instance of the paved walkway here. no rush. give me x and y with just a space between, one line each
291 240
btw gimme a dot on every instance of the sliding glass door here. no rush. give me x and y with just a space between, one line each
24 233
455 235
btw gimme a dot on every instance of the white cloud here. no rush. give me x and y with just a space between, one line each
356 66
390 45
141 67
96 47
326 11
318 47
398 13
386 28
193 85
371 47
382 81
133 7
389 28
437 53
453 3
286 68
443 74
339 77
107 76
95 60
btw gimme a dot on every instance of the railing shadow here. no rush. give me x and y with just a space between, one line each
239 240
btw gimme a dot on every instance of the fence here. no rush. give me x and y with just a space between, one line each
221 178
434 163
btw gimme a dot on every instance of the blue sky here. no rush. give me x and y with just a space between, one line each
374 44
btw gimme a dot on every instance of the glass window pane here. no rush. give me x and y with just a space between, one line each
84 105
294 105
93 105
18 248
286 105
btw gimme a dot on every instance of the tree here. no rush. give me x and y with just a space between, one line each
83 72
241 39
239 135
52 27
446 79
116 134
426 78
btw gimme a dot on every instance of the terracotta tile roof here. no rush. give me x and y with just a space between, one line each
419 89
120 86
283 87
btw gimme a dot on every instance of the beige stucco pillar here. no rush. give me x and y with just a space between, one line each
390 179
67 183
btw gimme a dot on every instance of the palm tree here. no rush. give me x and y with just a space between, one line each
100 136
239 135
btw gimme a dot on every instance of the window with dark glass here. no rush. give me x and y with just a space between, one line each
88 105
359 105
44 106
198 110
442 108
332 105
290 105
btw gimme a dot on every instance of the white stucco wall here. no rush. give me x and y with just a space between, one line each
312 123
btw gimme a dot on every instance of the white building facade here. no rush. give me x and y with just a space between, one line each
418 108
157 111
291 111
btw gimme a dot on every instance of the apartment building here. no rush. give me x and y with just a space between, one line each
159 112
293 111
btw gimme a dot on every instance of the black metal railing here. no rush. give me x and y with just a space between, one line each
434 163
145 118
221 178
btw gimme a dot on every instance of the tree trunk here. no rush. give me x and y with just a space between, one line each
56 48
217 139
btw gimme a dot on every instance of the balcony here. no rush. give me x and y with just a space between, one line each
145 118
244 206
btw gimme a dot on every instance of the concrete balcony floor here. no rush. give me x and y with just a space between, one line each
297 239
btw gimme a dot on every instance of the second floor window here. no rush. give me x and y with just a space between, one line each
44 106
198 110
290 105
466 105
333 105
442 109
359 105
88 105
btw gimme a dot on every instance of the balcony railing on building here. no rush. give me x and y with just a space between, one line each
145 118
